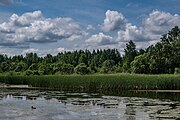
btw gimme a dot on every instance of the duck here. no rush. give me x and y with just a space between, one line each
32 107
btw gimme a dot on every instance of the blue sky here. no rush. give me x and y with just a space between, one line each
83 24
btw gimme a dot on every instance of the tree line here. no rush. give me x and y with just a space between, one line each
161 58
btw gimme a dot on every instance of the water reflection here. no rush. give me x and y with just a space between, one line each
60 105
9 97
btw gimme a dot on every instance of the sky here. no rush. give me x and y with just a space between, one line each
52 26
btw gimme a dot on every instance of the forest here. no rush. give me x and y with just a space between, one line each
161 58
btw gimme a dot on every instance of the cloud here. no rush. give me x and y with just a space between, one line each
132 5
6 2
9 51
113 21
158 22
100 39
153 27
90 27
44 52
34 27
131 32
30 50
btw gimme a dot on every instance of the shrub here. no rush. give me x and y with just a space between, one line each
67 69
177 71
81 69
107 66
28 72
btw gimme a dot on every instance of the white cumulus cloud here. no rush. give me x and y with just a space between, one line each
100 39
153 27
90 27
113 21
30 50
44 52
159 22
33 27
131 32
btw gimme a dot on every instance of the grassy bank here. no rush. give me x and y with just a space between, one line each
98 83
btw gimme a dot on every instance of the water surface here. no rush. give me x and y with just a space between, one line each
55 105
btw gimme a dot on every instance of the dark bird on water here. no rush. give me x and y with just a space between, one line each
32 107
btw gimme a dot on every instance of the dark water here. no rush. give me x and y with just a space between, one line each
56 105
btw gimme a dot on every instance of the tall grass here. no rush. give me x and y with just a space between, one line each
98 83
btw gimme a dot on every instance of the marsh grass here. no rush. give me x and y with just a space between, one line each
98 82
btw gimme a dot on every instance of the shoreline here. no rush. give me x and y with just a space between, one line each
157 91
42 88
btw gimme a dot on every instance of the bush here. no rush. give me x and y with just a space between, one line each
11 73
35 72
118 69
177 71
32 72
107 66
21 67
34 66
81 69
29 72
45 69
67 69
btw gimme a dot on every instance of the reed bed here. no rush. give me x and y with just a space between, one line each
98 82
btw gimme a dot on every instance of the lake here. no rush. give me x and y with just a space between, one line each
54 105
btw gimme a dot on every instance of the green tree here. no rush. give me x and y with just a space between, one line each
4 67
140 64
130 54
67 69
48 59
31 58
81 69
45 69
58 67
34 66
21 66
107 66
92 67
82 58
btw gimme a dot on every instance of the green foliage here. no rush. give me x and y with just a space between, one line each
161 58
45 69
34 66
57 67
67 69
165 55
107 66
92 67
4 67
28 72
177 71
62 63
11 73
140 64
82 69
30 58
32 72
82 58
48 59
21 66
130 54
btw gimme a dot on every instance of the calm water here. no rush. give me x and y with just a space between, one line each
55 105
